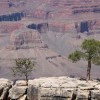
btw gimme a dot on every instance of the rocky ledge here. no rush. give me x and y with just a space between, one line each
53 88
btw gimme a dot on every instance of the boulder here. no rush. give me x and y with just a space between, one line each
95 95
17 91
5 85
82 95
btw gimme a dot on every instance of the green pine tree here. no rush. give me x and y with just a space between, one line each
90 52
23 67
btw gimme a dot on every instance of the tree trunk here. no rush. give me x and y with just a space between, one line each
26 78
89 70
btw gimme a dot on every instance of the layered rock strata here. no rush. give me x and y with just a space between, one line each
61 16
26 38
8 27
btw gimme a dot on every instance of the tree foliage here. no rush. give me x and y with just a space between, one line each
90 52
75 56
23 67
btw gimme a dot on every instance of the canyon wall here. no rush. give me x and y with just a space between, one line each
61 16
69 16
89 26
8 27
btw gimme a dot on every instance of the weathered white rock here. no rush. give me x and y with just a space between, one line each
82 95
64 87
53 88
95 94
20 83
56 92
17 91
97 86
33 93
5 85
54 82
67 93
48 91
23 97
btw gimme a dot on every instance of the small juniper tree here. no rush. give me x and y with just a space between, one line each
23 67
90 52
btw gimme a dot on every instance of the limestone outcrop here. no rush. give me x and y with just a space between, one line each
5 85
17 92
63 88
51 88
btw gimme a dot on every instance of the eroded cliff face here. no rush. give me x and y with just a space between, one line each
61 15
8 27
25 38
52 88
